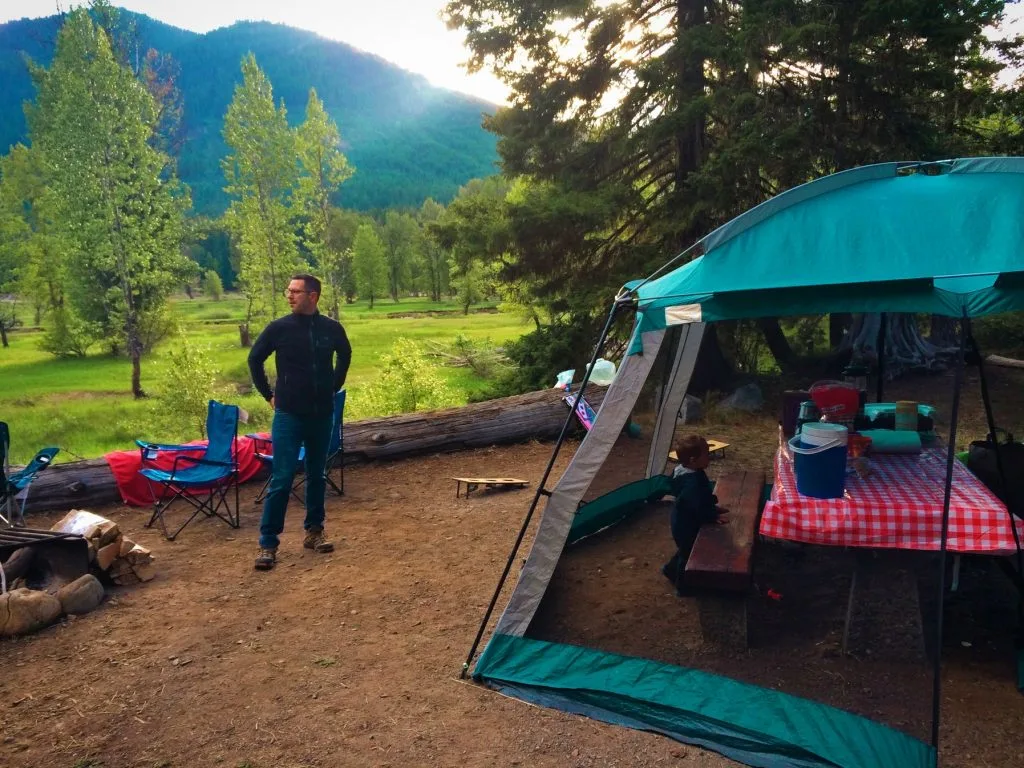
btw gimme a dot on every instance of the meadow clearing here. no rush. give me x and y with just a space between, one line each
83 405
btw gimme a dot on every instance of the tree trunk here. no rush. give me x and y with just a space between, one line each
838 324
778 344
905 348
243 335
3 336
712 371
533 416
943 332
137 392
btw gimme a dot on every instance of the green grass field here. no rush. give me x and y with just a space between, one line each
84 405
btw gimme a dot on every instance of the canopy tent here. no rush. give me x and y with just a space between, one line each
943 238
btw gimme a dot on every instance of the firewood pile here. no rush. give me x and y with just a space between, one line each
121 559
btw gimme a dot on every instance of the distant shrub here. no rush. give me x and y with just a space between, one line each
482 357
212 285
407 382
68 335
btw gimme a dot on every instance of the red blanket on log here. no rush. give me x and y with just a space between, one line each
135 489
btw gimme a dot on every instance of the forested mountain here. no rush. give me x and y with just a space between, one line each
407 139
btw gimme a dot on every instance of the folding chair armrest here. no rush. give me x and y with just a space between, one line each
260 442
198 460
149 450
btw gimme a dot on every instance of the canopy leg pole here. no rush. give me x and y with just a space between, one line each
958 382
880 349
1012 503
541 486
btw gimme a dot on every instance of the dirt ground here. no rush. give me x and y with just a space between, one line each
353 658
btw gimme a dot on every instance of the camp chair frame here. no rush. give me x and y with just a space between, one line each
184 477
265 454
335 455
14 484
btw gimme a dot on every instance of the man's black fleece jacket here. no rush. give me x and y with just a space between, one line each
304 348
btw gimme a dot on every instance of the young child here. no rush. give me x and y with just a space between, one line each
695 504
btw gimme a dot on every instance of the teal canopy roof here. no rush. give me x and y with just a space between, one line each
943 238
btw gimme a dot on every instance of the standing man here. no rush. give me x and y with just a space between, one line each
304 344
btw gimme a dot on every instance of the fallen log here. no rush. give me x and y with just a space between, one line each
1004 362
507 420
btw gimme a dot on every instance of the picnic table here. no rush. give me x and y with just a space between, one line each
897 506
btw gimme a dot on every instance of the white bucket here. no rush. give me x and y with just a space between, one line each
824 433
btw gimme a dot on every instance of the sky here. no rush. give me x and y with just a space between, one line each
408 33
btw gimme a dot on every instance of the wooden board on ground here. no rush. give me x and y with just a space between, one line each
472 483
715 447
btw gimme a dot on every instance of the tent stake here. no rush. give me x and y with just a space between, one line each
542 485
958 381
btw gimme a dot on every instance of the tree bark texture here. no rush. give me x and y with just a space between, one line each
533 416
905 348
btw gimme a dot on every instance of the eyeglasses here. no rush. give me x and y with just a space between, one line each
290 292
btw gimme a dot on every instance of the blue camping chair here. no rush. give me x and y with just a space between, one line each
335 455
215 472
15 484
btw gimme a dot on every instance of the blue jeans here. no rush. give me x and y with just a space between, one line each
288 434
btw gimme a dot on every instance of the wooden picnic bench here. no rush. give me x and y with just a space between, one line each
720 567
472 483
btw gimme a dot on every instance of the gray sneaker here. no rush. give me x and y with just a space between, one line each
315 540
266 559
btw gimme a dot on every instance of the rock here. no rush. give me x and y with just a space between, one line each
746 398
17 564
26 610
81 595
692 410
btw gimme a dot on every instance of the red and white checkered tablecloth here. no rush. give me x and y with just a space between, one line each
897 506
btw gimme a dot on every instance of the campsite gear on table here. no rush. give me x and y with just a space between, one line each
792 400
883 416
819 457
981 460
858 445
837 401
823 433
906 415
897 506
893 441
856 375
808 412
